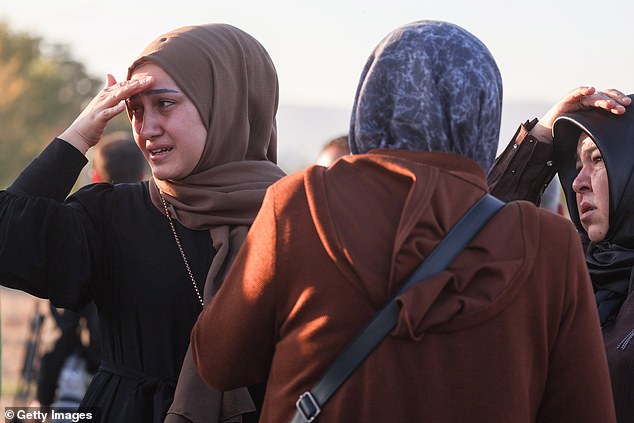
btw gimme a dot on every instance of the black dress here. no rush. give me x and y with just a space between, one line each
108 244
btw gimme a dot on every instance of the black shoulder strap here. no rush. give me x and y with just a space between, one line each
310 403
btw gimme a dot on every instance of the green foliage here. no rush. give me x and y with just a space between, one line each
42 90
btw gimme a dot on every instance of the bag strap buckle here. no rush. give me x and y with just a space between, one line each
308 406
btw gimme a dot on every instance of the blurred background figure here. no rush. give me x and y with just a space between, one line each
332 150
117 159
67 369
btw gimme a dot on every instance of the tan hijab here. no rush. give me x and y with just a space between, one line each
231 80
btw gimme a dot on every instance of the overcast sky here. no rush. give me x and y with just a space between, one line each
543 48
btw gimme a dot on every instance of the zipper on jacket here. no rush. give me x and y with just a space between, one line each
625 342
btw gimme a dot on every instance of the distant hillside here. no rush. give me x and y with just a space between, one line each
303 130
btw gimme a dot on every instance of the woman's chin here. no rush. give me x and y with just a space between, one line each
596 234
164 174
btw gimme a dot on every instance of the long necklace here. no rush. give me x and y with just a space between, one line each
182 251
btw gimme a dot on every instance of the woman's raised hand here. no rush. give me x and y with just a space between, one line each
581 98
88 128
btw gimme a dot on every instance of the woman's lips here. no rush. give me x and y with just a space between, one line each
585 211
158 153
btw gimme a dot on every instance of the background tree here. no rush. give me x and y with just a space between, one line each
42 90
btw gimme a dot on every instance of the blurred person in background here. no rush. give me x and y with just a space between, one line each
332 150
117 159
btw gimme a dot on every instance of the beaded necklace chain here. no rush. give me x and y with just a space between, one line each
182 251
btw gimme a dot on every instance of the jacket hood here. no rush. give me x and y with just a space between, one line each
414 198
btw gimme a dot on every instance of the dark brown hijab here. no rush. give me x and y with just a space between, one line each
231 80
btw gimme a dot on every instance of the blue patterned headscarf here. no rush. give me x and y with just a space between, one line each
429 86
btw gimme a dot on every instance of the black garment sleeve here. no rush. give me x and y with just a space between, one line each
52 174
45 244
524 168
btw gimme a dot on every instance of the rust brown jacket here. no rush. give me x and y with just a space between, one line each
508 333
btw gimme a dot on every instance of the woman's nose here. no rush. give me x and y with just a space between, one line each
149 126
582 182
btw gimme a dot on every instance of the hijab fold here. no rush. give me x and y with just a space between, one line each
231 80
610 267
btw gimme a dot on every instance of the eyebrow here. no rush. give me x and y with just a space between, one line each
154 92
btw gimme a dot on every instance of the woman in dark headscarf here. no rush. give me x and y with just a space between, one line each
593 151
202 101
587 136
